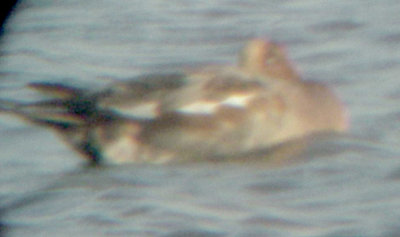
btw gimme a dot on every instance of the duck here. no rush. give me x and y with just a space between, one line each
212 112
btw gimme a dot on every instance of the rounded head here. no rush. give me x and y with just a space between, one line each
266 58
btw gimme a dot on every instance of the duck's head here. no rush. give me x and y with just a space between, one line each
266 58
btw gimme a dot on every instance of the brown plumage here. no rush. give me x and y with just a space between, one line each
216 111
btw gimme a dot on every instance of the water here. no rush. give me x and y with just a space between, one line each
342 186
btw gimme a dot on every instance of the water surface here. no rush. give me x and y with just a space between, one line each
342 186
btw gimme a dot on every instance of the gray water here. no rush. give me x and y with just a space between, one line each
342 186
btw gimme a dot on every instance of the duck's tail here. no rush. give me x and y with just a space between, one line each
52 91
70 111
48 113
63 107
7 105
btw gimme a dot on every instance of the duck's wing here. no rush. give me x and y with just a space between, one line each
222 115
140 97
67 105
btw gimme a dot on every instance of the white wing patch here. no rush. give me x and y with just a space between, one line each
237 100
211 107
199 107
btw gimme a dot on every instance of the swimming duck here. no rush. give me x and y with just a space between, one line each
211 112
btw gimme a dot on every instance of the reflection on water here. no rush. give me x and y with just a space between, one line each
337 186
